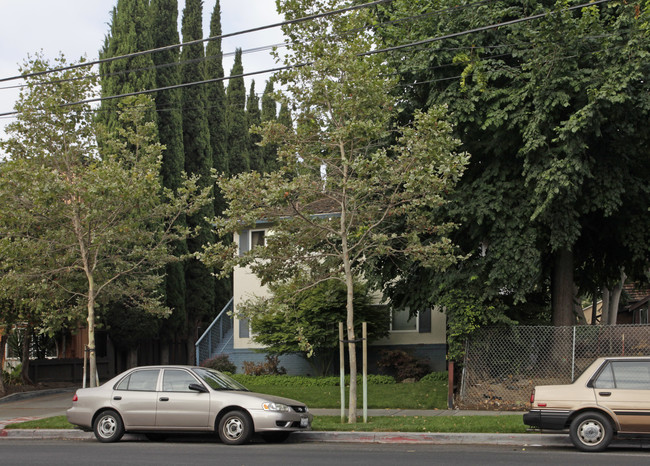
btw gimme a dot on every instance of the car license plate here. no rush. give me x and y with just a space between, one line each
304 422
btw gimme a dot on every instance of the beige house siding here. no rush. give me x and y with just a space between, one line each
246 286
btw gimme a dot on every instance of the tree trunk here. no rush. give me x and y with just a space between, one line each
132 358
604 318
24 373
92 356
615 299
3 345
563 286
594 308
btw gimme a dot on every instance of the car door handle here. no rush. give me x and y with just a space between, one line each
605 393
117 398
164 398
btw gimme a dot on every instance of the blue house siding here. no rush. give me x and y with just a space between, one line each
294 364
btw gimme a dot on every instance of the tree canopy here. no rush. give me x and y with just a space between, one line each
77 227
554 111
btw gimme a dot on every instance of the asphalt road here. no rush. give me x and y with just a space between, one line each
199 452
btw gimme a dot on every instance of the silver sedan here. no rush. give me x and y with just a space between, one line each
158 400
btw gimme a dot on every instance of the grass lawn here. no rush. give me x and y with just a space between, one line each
420 395
443 424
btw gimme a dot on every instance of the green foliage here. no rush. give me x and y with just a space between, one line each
403 365
200 282
130 32
465 315
435 377
78 227
254 118
269 367
237 125
297 320
220 362
12 377
547 108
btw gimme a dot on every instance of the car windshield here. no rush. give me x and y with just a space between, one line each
218 380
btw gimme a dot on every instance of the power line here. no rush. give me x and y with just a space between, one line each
372 52
198 41
247 51
283 68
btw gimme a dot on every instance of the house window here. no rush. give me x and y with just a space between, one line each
257 238
402 320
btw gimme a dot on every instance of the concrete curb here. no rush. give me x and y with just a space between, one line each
519 440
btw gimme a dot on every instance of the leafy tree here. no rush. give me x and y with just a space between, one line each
554 112
305 321
164 30
238 135
78 228
200 284
338 193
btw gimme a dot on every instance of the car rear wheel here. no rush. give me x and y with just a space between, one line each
591 431
235 428
108 427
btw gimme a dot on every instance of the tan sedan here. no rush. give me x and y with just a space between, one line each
611 397
158 400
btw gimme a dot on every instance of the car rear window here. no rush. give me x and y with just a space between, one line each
626 375
142 380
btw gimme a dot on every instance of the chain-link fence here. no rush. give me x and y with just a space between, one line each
503 364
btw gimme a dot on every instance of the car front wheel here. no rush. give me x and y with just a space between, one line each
591 431
235 428
108 427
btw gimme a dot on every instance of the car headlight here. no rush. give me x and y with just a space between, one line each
277 407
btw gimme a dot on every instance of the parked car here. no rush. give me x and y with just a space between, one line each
610 398
159 400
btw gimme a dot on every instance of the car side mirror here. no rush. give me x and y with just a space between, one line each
198 388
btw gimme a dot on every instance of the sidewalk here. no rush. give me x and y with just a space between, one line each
35 405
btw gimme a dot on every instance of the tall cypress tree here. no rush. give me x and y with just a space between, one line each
200 295
130 32
238 136
216 111
216 97
254 117
269 113
284 116
164 20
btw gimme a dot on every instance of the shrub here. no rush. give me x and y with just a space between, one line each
403 365
13 377
220 362
435 377
269 367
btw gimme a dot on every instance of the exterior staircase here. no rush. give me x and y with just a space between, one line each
218 337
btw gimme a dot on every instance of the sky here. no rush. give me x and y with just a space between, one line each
78 27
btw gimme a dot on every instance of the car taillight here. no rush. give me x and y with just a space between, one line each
75 398
532 397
